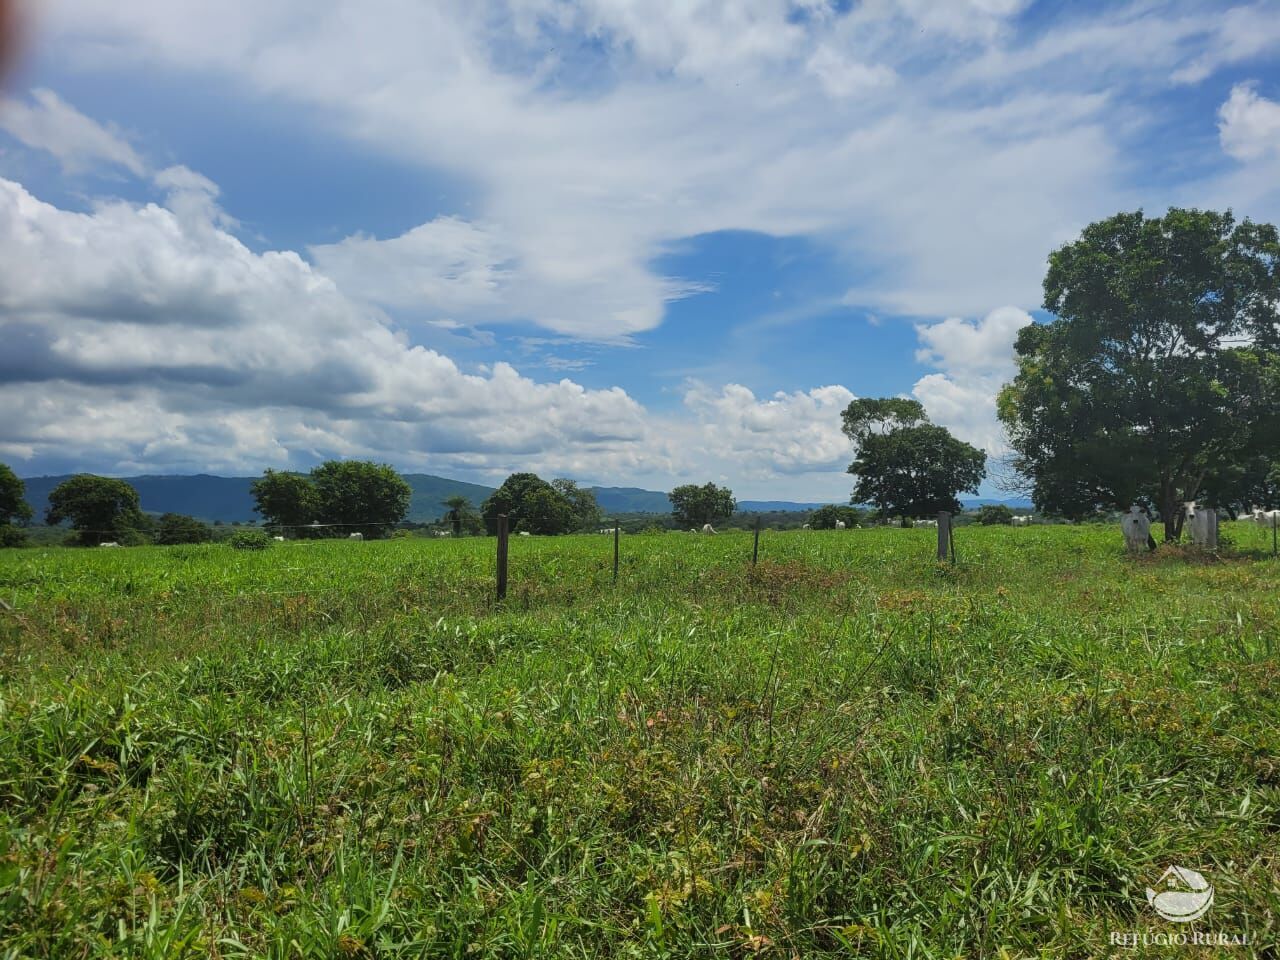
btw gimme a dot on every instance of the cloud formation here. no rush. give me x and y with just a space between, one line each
47 122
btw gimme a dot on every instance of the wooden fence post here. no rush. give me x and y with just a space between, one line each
944 536
502 556
616 534
1273 534
755 548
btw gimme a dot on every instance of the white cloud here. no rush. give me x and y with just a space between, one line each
147 337
976 360
788 433
599 133
49 123
958 346
1249 124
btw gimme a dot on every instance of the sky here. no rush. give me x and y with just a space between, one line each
630 243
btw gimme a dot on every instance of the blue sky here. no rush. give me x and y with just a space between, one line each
629 243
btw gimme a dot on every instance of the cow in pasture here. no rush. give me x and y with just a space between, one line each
524 533
1264 518
1136 527
1021 520
708 528
108 543
1203 524
278 539
926 523
806 527
355 536
839 524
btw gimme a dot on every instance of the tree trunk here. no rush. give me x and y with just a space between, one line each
1170 511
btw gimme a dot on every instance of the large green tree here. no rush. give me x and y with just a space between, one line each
1158 380
906 465
285 500
14 508
531 504
587 514
100 509
697 505
360 496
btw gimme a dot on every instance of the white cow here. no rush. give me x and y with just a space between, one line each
355 536
806 527
1136 527
1264 518
839 524
1203 524
524 533
1021 520
109 543
926 523
708 528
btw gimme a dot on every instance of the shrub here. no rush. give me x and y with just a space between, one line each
249 540
992 514
11 536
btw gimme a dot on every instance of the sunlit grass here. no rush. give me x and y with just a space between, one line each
350 749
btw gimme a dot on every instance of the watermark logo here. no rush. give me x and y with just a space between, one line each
1186 896
1182 895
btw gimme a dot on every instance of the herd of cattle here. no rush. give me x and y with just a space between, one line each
1136 525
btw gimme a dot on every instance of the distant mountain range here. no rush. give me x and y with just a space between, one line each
228 499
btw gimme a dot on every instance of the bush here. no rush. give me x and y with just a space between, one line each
249 540
11 536
992 514
174 528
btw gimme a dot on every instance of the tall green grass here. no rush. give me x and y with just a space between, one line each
337 749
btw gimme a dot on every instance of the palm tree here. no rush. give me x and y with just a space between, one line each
459 507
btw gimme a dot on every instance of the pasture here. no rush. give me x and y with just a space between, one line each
336 749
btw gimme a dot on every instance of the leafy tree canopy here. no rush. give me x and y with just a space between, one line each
13 507
1158 380
993 514
285 499
174 528
361 496
824 518
531 504
587 514
906 465
99 508
696 505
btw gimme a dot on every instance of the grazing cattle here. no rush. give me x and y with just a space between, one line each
1264 518
1136 527
806 527
109 543
278 539
1203 523
839 524
926 523
1021 520
355 536
524 533
708 528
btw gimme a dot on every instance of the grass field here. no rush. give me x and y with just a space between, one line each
336 749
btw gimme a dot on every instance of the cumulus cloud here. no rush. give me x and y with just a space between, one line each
47 122
598 133
976 360
148 337
789 433
155 336
1249 124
